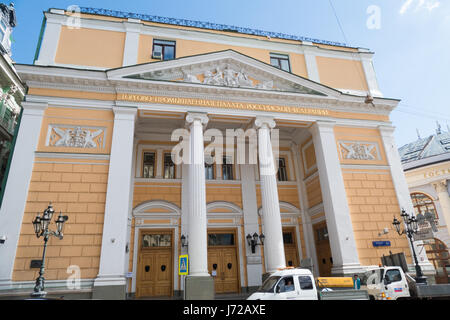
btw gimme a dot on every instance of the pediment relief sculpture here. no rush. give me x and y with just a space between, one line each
225 75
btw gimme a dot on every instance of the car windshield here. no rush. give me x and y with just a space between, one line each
269 284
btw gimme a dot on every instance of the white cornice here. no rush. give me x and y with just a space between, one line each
112 82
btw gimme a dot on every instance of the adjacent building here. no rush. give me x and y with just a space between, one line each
426 163
111 96
11 94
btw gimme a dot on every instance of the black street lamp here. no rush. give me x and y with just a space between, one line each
184 242
40 225
411 224
253 240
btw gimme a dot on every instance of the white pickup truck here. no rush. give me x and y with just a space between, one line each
385 283
391 283
299 284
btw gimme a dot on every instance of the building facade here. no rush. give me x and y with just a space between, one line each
109 97
426 163
11 95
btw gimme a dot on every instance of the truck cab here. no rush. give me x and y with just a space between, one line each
385 283
287 284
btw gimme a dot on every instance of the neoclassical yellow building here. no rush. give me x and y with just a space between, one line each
426 163
106 94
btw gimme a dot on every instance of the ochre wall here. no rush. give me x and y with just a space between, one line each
150 191
313 192
77 188
373 204
186 48
90 47
105 49
371 196
341 73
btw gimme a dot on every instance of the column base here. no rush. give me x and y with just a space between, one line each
347 270
109 288
199 288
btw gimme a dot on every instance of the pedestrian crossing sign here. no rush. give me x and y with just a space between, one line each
183 265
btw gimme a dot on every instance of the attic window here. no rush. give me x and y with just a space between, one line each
163 49
280 61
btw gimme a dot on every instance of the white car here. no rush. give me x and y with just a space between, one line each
288 284
299 284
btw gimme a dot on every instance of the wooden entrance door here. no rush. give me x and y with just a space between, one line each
223 263
290 247
155 264
323 249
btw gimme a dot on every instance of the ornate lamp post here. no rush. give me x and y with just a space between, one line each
410 222
41 225
253 240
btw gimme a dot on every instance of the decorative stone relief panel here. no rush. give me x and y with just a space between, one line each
226 74
359 150
76 136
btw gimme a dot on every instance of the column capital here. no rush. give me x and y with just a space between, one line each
386 130
440 186
132 25
191 117
34 108
261 122
125 113
322 126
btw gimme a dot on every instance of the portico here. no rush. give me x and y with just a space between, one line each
306 188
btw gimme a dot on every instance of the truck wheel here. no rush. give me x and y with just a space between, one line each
371 297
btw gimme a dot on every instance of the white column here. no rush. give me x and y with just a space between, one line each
308 232
50 40
401 188
16 190
250 208
273 243
185 195
198 246
159 163
130 52
117 207
444 200
337 212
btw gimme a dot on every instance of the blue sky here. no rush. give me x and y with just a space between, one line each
410 39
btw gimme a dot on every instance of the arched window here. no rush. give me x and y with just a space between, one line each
423 203
438 254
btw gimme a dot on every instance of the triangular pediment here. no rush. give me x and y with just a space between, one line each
228 69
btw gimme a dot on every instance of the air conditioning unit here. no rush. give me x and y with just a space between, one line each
157 55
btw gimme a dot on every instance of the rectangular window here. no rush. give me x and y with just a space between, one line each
322 234
288 238
227 169
163 50
280 61
209 168
169 167
282 173
148 167
220 239
156 240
